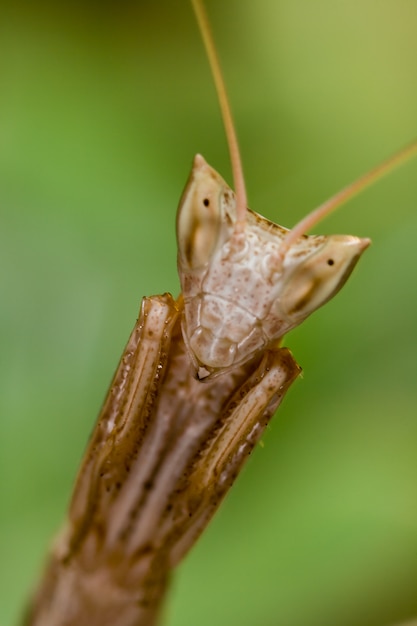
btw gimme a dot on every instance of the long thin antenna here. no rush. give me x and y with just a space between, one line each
346 194
238 178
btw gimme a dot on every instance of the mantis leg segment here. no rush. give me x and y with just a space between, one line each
245 417
85 584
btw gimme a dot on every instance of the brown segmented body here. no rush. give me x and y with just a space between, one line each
165 450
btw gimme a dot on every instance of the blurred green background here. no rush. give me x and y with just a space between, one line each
102 107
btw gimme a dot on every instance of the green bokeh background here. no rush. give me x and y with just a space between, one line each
102 107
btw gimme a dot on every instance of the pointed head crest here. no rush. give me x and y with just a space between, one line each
241 298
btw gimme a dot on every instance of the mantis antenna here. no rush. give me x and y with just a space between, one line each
346 194
238 177
324 209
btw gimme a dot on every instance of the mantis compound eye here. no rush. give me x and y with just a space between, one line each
320 276
200 219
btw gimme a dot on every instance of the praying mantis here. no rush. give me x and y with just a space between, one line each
282 220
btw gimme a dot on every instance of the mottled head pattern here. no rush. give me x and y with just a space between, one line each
239 296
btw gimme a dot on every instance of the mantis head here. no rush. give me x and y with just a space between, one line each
242 293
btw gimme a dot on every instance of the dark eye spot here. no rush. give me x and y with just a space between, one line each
330 262
206 201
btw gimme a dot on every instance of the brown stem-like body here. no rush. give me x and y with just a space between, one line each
165 450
